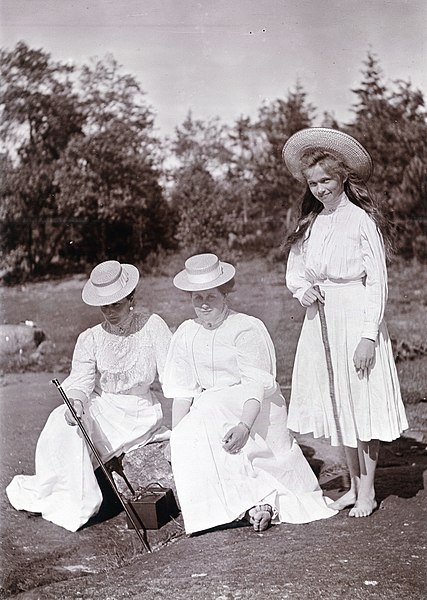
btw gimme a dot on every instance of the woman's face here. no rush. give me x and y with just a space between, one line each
208 304
118 312
324 186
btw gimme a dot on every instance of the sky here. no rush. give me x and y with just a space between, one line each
226 57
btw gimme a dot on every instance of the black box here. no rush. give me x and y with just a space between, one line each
154 508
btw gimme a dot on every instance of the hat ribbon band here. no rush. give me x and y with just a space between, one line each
110 288
205 277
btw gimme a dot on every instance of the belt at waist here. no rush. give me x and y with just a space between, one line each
136 390
339 282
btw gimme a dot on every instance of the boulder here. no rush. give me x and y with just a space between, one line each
143 467
19 339
149 464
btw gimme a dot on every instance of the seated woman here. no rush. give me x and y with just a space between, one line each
232 455
114 364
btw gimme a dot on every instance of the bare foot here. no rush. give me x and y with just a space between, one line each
363 508
260 517
346 500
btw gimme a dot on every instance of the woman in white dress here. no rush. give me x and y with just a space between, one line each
337 258
114 365
232 455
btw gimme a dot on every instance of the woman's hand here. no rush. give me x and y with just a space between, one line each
235 438
364 356
78 407
311 296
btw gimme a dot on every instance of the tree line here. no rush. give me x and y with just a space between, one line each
85 178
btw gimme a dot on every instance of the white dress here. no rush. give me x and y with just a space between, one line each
344 254
221 369
112 371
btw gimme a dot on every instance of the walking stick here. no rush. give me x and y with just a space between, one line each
133 517
325 339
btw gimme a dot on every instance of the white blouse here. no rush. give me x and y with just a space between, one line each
343 245
109 359
238 353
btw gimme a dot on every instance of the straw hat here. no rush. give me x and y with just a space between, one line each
203 272
110 282
341 145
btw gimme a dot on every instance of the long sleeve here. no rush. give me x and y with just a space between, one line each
256 360
179 379
373 258
83 368
161 336
295 273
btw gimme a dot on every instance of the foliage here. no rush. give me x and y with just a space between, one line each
82 177
39 116
83 185
391 124
108 179
198 193
231 184
275 191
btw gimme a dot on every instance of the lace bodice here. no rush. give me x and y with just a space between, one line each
109 359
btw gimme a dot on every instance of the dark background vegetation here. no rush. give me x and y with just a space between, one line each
85 178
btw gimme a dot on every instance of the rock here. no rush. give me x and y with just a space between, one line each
17 339
46 347
149 465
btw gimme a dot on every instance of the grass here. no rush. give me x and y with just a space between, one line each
57 308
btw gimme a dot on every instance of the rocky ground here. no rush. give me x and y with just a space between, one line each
380 557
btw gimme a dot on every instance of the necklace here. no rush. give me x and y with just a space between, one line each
215 324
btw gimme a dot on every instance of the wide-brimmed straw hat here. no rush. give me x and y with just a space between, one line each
110 282
203 272
343 146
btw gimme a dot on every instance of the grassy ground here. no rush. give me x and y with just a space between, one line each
57 308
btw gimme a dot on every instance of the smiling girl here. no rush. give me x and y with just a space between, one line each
337 258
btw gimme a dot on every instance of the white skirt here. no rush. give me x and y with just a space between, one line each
365 408
64 489
215 487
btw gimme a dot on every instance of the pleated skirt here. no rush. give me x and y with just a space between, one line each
360 408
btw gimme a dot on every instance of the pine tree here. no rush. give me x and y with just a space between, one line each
391 123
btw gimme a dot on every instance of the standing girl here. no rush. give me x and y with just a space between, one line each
337 258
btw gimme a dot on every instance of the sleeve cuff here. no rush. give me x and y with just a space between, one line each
370 331
172 393
253 390
78 395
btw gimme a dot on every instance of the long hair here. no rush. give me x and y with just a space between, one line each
355 189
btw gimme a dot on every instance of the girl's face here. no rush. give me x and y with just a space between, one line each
118 312
208 304
325 187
